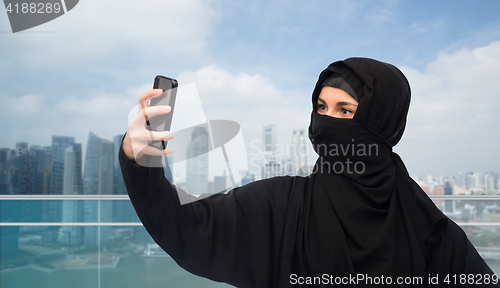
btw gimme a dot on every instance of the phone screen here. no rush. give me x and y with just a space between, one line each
163 122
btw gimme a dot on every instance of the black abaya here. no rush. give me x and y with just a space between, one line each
373 220
248 237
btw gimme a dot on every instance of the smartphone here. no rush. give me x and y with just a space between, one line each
162 122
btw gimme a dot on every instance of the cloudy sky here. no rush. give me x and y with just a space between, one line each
256 64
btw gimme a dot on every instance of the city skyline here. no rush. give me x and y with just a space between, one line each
284 150
254 63
246 71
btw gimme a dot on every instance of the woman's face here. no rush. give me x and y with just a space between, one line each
335 102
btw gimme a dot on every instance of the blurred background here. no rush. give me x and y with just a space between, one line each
68 86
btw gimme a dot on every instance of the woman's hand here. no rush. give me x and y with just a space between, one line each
137 137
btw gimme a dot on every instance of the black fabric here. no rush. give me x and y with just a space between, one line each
377 220
236 238
337 222
336 81
453 258
248 237
382 90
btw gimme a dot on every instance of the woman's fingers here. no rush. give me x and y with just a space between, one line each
140 142
139 137
144 101
144 98
152 151
146 135
146 113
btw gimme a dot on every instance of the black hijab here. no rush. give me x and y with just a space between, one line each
363 214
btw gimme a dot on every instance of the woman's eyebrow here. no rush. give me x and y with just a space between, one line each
321 100
346 103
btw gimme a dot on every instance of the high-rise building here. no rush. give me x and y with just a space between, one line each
35 147
11 176
40 164
248 178
489 181
460 180
91 165
471 181
475 181
298 151
72 210
269 142
272 169
21 148
219 184
123 211
98 179
24 168
106 177
4 154
21 175
269 157
449 205
32 184
53 210
197 162
47 169
118 183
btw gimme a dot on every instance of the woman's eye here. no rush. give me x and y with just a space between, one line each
321 107
346 111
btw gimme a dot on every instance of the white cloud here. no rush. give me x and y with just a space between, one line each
24 104
452 125
34 119
454 113
94 29
251 100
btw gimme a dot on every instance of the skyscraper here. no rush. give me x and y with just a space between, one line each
10 183
98 179
32 184
272 169
489 181
24 168
106 173
53 209
72 210
298 151
249 178
449 205
38 162
21 148
474 181
4 154
119 185
269 142
197 163
47 169
91 165
123 211
11 175
268 159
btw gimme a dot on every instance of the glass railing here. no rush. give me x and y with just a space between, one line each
94 241
98 241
